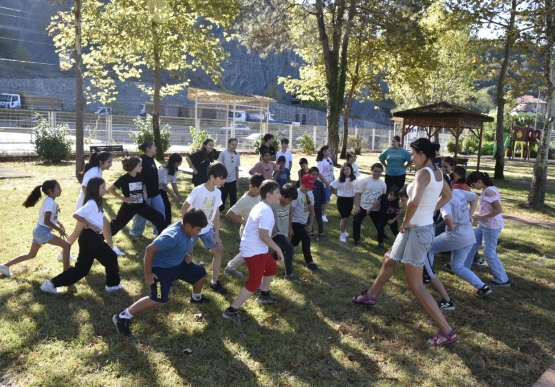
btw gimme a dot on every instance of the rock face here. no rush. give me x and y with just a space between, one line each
243 72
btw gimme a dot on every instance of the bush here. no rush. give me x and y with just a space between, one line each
146 133
275 144
198 139
306 142
469 144
51 141
450 144
356 143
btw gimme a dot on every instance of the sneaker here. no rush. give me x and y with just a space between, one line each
269 299
111 289
385 236
61 258
448 268
134 235
118 251
380 246
479 262
49 287
484 291
5 270
356 243
235 316
324 219
312 236
501 285
342 238
202 300
122 325
218 288
323 238
233 272
426 281
444 305
291 278
313 268
346 234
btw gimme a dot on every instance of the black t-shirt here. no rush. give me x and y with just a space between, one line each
150 175
388 209
263 147
201 163
131 187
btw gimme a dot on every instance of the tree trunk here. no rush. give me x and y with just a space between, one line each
156 108
346 113
79 98
536 197
509 39
333 116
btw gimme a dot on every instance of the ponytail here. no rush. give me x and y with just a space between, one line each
95 159
475 176
35 194
145 145
461 172
320 155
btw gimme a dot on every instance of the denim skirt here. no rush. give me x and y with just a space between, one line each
42 234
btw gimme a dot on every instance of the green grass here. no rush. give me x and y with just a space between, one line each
312 336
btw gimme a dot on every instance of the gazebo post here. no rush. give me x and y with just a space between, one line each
457 135
480 147
403 134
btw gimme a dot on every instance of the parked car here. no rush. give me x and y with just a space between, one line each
238 128
29 122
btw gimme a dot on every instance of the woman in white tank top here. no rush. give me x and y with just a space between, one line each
427 192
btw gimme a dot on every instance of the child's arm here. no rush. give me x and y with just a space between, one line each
177 198
496 209
191 165
310 219
237 174
107 232
299 173
149 257
237 219
289 176
374 206
112 190
473 205
145 195
391 221
185 207
267 239
217 240
291 222
448 219
86 223
53 226
254 169
323 179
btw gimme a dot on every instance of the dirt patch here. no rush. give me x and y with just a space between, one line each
529 221
6 173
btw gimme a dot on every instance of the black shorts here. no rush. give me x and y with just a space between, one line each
345 206
188 272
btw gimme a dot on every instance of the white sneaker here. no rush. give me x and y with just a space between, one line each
111 289
343 238
5 270
324 219
118 251
49 287
345 233
71 258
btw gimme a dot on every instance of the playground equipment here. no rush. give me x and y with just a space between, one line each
493 145
526 136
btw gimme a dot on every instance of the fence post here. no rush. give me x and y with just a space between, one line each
314 137
373 139
291 144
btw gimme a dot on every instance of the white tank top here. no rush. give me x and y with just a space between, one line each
425 211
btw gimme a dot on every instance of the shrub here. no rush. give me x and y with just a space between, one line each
51 141
146 133
306 142
198 139
275 144
451 144
469 144
356 143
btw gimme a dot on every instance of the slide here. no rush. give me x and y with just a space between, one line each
493 145
551 153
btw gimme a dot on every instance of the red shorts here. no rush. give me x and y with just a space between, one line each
261 265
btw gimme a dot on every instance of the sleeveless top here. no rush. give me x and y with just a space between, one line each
425 211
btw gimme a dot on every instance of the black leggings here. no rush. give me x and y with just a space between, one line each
128 211
231 189
357 222
167 206
394 227
301 235
397 181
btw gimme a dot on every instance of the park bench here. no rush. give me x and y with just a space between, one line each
109 148
462 161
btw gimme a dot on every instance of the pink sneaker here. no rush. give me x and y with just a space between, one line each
366 299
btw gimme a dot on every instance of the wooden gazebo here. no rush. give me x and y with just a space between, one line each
443 115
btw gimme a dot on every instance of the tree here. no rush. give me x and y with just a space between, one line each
124 37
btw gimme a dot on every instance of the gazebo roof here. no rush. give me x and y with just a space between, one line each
442 110
216 97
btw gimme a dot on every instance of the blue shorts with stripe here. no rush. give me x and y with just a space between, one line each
188 272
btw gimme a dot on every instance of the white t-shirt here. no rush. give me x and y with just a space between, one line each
244 206
164 178
48 205
345 189
231 161
93 172
326 169
261 217
207 201
91 213
288 158
370 190
301 206
356 172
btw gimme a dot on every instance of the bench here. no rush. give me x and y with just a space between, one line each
462 161
109 148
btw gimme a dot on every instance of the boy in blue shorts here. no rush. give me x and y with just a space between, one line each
166 260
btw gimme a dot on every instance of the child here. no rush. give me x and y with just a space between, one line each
48 220
447 165
254 247
303 211
459 178
265 167
344 188
283 228
351 158
368 190
491 223
285 153
325 166
134 197
389 212
200 160
166 260
168 174
231 160
91 244
208 198
303 171
239 213
98 162
282 175
319 203
267 146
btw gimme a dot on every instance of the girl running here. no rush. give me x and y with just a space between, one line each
48 220
344 188
325 166
168 174
91 243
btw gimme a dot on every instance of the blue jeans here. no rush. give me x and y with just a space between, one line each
488 237
138 226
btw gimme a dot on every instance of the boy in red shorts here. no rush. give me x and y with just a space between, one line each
257 237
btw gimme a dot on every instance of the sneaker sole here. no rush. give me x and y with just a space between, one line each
501 286
450 309
485 294
239 319
115 321
265 301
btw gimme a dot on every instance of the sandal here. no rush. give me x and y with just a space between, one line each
449 337
366 299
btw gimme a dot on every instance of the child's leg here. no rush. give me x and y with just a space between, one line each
236 262
107 258
394 227
216 263
490 255
232 193
301 233
438 285
288 251
270 270
343 224
76 232
66 247
167 206
357 222
142 305
256 265
35 247
318 218
381 229
87 242
458 258
224 190
375 216
154 216
125 213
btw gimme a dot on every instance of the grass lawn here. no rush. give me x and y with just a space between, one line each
314 335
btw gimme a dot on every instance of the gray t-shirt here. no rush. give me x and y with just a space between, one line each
243 207
457 207
281 213
301 206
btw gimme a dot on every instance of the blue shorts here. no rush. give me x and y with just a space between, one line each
328 194
42 234
412 245
207 240
188 272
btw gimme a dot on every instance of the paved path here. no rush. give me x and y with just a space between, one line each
529 221
6 173
547 379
